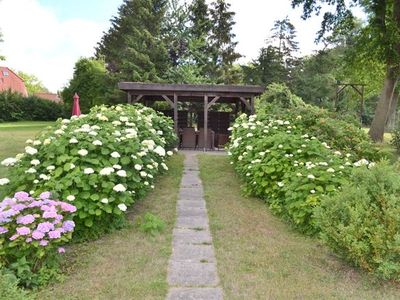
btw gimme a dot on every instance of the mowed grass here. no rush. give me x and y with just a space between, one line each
127 264
260 257
13 136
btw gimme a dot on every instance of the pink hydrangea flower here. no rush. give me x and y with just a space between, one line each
45 227
28 219
15 236
23 230
49 214
43 243
54 234
45 195
3 230
61 250
37 235
22 196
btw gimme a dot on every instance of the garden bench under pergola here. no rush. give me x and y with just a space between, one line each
242 96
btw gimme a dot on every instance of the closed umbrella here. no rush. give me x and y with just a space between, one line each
76 111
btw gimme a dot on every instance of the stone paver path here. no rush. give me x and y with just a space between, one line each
192 270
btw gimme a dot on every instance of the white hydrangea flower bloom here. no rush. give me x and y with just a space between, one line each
115 154
10 161
4 181
159 150
331 170
138 167
104 200
97 143
122 207
46 141
88 171
117 167
312 191
83 152
106 171
121 173
73 141
28 141
310 176
30 171
51 168
169 153
37 143
71 198
124 119
143 174
119 188
280 184
165 167
35 162
30 150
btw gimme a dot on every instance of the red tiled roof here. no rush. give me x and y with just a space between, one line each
49 96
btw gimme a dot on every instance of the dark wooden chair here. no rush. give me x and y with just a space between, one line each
188 138
222 140
210 139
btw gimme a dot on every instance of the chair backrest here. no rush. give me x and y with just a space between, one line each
210 139
188 138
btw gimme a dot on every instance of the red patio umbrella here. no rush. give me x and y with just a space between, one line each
76 111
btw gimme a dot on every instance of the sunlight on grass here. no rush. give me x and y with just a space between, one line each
13 136
260 257
127 264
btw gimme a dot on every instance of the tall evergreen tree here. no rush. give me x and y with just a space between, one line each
222 42
133 48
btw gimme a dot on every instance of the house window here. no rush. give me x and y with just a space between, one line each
5 73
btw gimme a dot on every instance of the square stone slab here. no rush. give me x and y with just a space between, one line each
188 192
191 236
191 222
195 294
190 203
193 253
191 274
185 211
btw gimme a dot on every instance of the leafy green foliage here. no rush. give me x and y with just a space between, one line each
362 222
15 107
9 287
32 83
90 81
396 139
279 96
102 162
151 224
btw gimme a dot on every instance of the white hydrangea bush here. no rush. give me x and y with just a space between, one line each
288 168
102 162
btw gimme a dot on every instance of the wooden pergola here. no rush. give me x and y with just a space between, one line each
208 94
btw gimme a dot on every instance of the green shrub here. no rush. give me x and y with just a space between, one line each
151 224
396 139
362 222
290 170
101 162
278 94
15 107
9 287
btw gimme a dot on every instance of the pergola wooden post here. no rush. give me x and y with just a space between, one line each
205 122
208 94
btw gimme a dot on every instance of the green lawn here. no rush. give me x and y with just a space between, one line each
13 136
260 257
126 264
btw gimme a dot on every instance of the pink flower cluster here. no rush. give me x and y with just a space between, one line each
25 219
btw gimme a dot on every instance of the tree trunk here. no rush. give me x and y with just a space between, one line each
391 120
382 109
